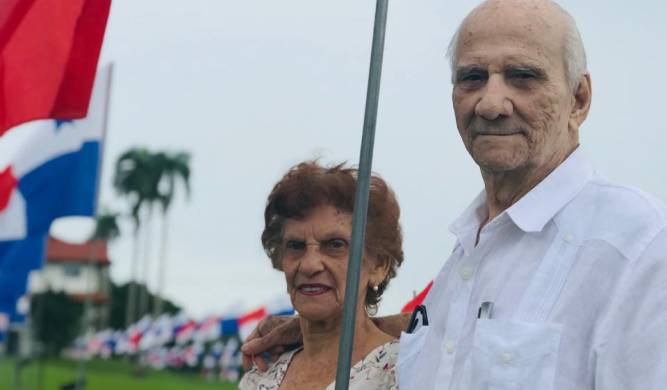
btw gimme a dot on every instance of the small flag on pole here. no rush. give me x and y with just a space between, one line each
249 321
417 300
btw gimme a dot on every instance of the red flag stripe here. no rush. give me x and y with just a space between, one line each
10 16
74 94
48 57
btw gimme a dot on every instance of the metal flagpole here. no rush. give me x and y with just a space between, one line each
361 199
88 297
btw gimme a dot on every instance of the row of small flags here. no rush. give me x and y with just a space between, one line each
49 51
221 357
177 333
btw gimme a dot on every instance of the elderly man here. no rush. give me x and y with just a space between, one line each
558 279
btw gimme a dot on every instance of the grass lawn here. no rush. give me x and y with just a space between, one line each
101 375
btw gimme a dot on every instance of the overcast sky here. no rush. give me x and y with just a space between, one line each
252 87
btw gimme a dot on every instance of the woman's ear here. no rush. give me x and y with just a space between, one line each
379 271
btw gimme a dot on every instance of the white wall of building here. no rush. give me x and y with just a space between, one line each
70 277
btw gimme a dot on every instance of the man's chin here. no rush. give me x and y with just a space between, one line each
497 163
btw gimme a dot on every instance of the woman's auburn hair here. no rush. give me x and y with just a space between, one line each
309 185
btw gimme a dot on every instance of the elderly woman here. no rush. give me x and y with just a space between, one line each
307 232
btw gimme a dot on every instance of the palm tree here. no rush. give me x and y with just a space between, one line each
172 167
106 227
136 178
107 230
148 178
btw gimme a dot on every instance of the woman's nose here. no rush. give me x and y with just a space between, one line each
311 261
494 101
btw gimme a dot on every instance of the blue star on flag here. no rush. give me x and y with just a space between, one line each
60 122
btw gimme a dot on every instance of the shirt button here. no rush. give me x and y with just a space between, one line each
568 237
465 273
449 348
506 357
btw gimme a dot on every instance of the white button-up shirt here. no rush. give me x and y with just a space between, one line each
577 274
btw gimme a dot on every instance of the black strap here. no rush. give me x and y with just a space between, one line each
414 321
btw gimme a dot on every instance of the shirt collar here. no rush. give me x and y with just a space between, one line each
466 225
532 212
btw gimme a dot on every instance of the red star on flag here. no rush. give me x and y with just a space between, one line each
7 184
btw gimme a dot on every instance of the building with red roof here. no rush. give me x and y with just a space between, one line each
79 270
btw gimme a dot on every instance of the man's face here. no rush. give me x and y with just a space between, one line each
511 97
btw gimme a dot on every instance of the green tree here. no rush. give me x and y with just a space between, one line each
106 227
107 230
57 320
119 294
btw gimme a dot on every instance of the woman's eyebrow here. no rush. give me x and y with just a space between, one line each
293 237
333 235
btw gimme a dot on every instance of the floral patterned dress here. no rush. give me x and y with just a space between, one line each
376 371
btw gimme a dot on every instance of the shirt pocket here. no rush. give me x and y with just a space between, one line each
410 346
513 355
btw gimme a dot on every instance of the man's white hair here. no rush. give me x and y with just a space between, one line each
573 50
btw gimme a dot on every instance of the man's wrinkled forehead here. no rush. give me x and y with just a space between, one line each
525 25
536 7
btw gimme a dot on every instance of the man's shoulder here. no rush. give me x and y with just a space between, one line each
624 217
636 203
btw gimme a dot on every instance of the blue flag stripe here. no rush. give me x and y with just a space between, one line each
17 259
64 186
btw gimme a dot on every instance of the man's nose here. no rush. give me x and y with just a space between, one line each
494 101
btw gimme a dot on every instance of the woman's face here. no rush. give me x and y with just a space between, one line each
315 253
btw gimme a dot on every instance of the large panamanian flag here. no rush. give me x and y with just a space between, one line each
48 169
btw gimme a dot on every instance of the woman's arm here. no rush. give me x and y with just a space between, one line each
276 334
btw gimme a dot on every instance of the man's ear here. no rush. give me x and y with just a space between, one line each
582 102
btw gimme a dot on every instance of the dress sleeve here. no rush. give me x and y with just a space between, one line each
250 380
390 368
269 380
378 369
